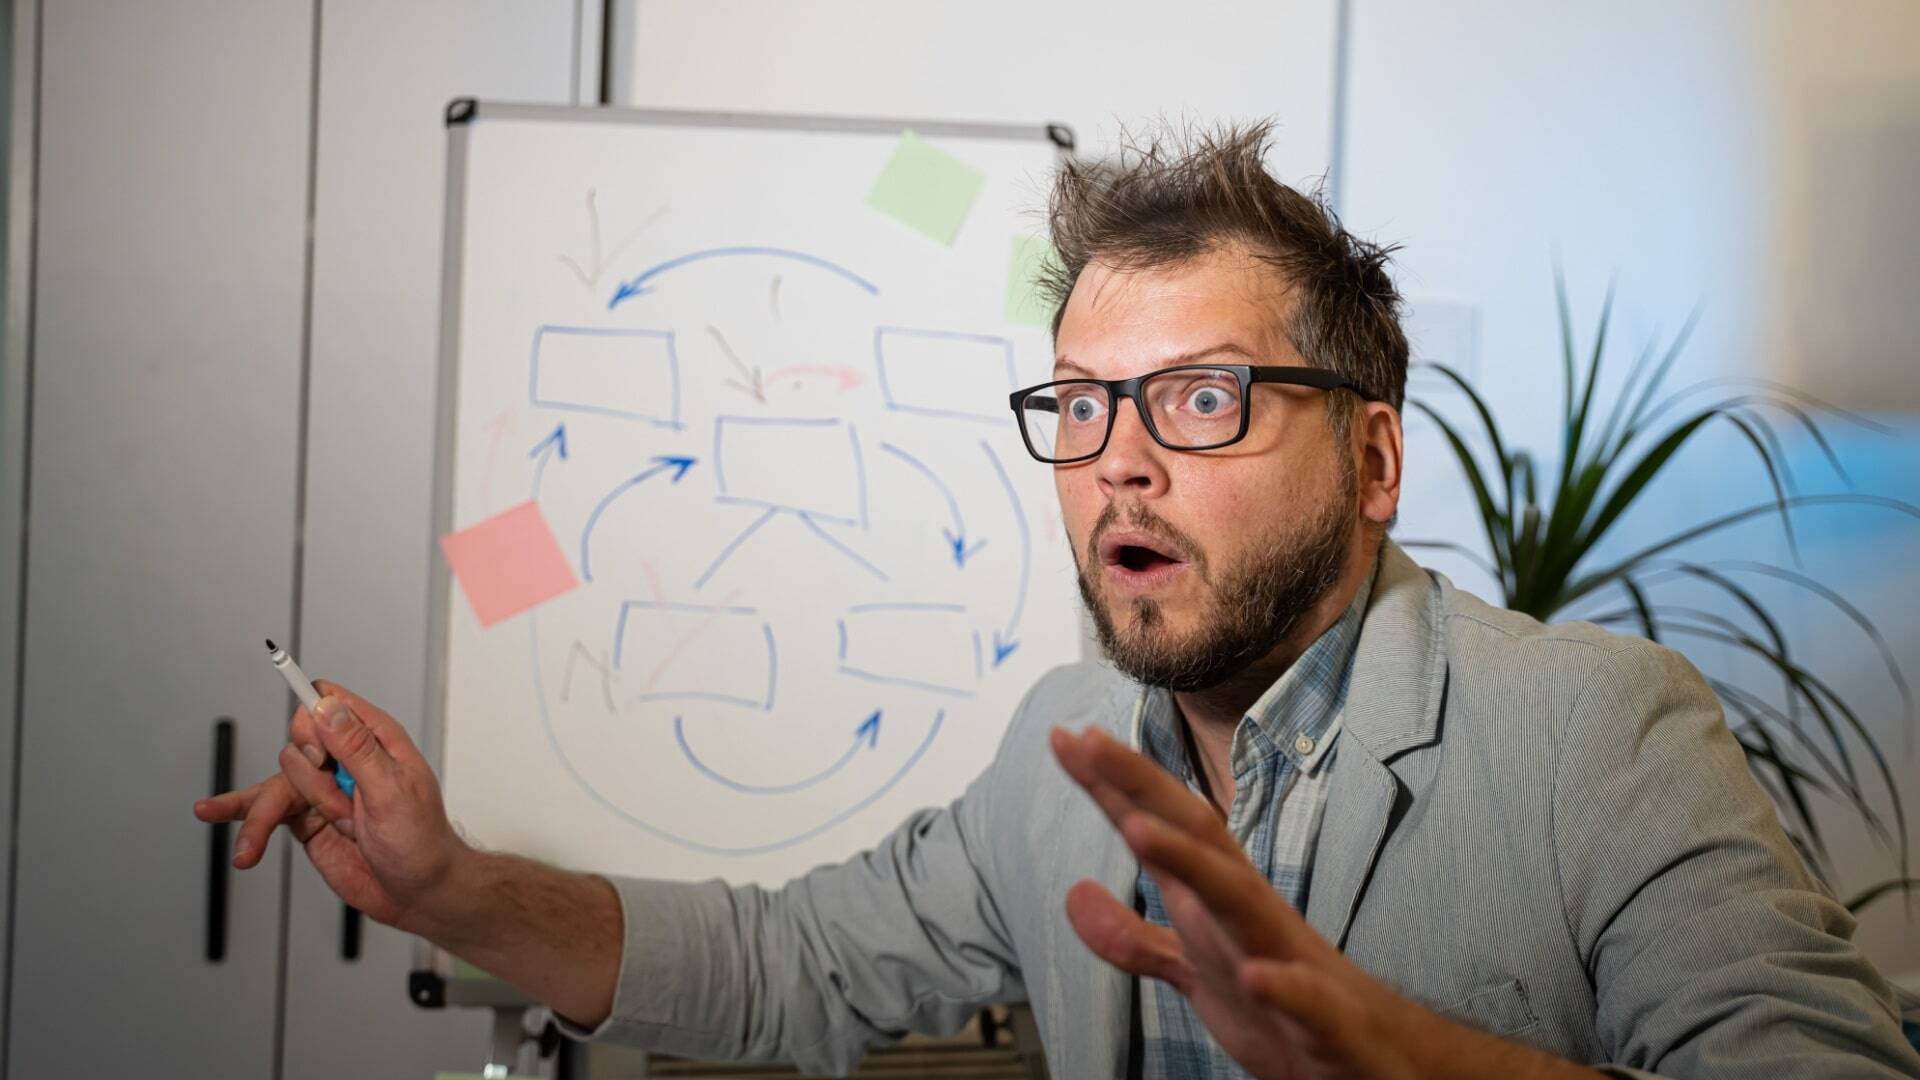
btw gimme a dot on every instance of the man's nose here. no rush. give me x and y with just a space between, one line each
1132 460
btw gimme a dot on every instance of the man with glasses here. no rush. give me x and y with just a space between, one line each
1344 819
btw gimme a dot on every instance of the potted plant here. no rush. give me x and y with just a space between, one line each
1543 533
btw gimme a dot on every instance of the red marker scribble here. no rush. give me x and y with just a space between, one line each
847 378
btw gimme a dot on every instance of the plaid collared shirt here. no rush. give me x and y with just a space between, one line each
1282 760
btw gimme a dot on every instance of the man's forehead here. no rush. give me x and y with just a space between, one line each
1224 352
1224 306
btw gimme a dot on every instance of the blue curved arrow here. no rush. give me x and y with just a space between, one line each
545 450
680 465
637 286
956 537
1004 641
868 732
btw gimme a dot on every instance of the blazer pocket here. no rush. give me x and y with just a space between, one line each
1498 1008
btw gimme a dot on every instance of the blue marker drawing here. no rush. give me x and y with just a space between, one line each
869 637
905 605
620 622
1004 641
586 366
910 684
932 371
661 464
791 463
868 732
733 546
859 559
639 284
559 752
956 535
685 694
544 451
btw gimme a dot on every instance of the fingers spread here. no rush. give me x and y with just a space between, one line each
275 803
1207 944
1300 991
1123 780
316 787
226 806
1118 935
1258 919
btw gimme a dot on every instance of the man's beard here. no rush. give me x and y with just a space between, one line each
1254 603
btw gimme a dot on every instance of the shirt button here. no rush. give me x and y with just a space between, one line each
1303 744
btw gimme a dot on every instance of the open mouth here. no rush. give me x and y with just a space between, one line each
1139 560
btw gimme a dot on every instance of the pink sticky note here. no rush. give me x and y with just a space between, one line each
508 563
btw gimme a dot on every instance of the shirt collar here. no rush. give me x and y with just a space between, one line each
1298 716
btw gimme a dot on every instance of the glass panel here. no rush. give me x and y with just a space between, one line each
1195 406
1066 420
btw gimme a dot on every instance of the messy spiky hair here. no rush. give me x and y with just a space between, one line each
1175 196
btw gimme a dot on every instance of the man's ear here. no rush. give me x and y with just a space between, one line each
1379 453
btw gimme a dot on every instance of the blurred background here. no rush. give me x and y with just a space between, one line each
217 361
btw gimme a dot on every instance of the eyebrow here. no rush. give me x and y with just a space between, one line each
1062 363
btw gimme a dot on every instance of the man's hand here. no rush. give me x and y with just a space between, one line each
390 852
1276 995
385 851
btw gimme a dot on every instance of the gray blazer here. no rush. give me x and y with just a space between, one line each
1545 831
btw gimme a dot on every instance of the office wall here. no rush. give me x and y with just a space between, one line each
1757 159
1095 66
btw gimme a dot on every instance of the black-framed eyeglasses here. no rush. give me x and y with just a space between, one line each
1188 407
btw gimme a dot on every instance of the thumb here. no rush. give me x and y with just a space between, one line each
352 744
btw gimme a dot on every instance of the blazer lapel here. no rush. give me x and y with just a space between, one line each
1393 705
1090 1001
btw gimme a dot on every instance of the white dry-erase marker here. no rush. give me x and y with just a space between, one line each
303 689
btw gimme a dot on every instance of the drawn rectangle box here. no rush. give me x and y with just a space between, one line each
941 373
687 651
612 372
806 465
926 646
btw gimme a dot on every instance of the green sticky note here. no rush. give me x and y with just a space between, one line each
468 973
1032 257
926 188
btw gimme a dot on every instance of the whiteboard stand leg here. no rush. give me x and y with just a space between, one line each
509 1034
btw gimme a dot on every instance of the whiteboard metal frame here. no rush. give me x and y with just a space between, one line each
430 984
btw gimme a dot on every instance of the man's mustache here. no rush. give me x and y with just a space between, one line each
1140 517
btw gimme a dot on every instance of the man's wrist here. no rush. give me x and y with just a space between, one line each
450 911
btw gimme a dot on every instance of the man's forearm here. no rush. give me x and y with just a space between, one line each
555 934
1452 1051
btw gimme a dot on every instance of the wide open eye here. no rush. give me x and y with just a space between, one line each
1084 408
1209 401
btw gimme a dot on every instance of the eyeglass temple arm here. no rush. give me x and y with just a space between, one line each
1319 378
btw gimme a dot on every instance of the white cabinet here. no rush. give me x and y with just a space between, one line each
168 276
387 72
178 511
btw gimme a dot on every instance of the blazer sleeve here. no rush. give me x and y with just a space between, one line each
1712 951
903 937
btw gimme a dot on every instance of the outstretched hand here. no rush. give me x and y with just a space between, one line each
1276 995
388 848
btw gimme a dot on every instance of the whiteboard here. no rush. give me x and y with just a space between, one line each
764 427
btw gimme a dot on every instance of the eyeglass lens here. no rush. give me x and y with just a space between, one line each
1190 409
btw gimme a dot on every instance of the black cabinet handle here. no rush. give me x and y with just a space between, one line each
350 932
217 866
